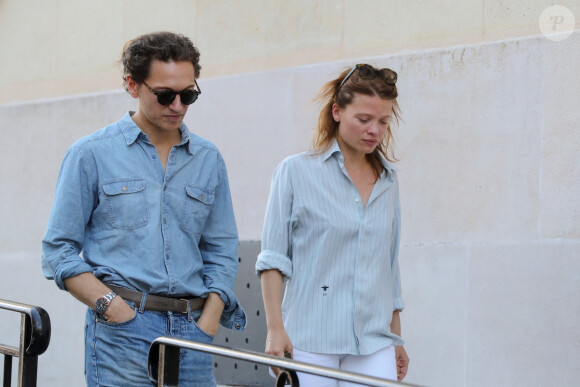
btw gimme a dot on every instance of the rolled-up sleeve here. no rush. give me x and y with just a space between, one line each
276 238
71 211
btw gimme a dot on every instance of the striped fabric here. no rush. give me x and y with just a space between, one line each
339 258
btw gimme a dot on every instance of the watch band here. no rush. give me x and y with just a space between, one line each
103 302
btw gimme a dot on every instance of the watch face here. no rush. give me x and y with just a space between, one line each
103 302
101 305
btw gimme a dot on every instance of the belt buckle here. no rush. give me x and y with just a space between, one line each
187 305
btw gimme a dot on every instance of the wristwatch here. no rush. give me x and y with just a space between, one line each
103 302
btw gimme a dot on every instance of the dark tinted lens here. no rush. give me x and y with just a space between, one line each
366 71
166 97
188 96
390 76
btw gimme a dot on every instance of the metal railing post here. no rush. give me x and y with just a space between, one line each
7 380
28 364
157 366
164 365
34 340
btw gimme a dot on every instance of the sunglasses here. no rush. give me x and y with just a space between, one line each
366 71
166 97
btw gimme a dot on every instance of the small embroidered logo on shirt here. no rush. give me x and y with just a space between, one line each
324 288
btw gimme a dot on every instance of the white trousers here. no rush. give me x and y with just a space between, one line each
381 364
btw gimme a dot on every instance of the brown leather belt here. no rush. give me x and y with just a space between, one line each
159 303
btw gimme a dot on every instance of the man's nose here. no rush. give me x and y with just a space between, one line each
176 104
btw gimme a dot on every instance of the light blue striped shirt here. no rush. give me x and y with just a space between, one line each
340 258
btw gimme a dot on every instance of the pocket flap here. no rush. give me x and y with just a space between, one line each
124 187
199 194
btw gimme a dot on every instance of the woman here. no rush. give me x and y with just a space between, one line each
332 231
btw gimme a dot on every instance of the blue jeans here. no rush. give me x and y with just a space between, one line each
116 353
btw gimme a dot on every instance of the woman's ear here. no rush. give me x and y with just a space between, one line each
336 112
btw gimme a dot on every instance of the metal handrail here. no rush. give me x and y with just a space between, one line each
34 340
163 363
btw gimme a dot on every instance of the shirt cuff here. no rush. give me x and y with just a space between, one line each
269 259
227 296
398 304
233 316
71 267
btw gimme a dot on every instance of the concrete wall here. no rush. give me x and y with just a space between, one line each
490 177
54 48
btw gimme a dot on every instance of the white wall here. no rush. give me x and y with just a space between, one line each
490 177
54 48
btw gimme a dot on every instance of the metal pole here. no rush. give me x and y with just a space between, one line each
28 364
274 361
161 367
168 366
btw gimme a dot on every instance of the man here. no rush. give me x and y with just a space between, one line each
148 205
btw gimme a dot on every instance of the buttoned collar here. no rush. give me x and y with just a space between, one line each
132 132
334 151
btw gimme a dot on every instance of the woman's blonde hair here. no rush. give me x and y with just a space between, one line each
363 79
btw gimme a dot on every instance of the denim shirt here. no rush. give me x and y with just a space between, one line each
120 216
340 258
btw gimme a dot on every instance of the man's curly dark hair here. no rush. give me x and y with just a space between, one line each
163 46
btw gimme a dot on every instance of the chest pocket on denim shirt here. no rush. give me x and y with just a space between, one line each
196 207
126 203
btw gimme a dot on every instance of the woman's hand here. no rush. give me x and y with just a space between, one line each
402 362
278 343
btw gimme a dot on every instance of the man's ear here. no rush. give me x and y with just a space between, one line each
336 112
132 86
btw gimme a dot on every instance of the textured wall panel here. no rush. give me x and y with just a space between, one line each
249 293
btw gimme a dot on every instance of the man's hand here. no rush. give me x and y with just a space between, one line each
402 362
118 311
87 288
209 321
211 328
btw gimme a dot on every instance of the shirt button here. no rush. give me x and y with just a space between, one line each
201 196
356 199
238 326
125 188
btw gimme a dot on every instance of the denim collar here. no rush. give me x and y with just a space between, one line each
132 132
